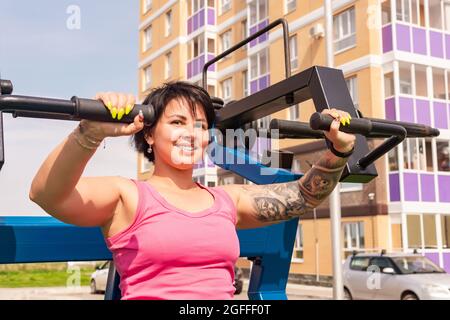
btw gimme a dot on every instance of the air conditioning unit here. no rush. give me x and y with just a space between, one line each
317 31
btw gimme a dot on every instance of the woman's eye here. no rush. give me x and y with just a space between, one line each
176 122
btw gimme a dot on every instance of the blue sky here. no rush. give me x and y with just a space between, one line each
43 57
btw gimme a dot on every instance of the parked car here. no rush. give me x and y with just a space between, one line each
394 277
99 279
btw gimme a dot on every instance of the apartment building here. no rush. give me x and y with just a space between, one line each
395 56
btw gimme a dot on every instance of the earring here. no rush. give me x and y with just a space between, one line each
149 150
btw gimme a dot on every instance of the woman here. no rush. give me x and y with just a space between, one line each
173 238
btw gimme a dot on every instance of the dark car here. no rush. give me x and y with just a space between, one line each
238 281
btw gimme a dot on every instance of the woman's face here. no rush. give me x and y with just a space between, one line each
178 139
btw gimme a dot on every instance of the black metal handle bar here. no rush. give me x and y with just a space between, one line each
74 109
287 55
303 130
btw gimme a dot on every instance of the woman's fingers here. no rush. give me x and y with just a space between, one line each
121 105
130 103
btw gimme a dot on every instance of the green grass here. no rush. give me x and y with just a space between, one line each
43 278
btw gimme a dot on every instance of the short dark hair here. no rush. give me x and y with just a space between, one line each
160 97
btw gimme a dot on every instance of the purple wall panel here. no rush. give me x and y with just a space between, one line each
446 258
440 115
427 187
394 187
263 82
213 66
419 41
423 112
433 257
253 86
253 30
389 105
387 38
264 36
211 16
201 15
406 109
411 187
403 38
444 186
195 23
447 45
436 46
190 25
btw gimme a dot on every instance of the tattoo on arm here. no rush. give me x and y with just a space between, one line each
282 201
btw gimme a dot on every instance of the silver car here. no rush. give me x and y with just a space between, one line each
394 277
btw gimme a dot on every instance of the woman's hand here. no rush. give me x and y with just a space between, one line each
342 142
119 104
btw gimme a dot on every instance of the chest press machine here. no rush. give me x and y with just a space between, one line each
45 239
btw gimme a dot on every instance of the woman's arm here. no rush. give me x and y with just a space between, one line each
58 187
261 205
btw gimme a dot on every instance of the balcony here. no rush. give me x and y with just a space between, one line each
195 66
200 18
412 38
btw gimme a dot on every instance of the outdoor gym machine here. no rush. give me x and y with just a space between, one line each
32 239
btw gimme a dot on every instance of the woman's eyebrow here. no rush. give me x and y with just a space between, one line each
183 117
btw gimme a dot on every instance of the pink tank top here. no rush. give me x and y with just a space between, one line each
170 253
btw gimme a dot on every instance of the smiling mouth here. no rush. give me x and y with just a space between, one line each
186 148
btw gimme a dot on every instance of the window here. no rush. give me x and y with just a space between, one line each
258 11
293 52
421 80
443 157
425 155
226 5
225 40
259 64
418 12
352 85
227 89
211 46
168 65
386 12
445 227
380 263
226 180
197 5
147 5
389 85
211 90
393 159
211 184
353 236
148 38
298 245
147 78
294 112
290 5
439 83
429 231
414 231
403 10
447 15
405 78
360 263
244 30
198 46
435 13
168 23
245 83
344 30
415 154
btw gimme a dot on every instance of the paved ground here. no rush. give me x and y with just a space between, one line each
294 292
